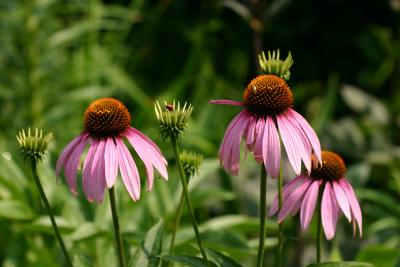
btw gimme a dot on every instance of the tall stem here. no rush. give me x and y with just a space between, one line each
176 223
186 193
319 226
118 238
280 227
48 208
263 209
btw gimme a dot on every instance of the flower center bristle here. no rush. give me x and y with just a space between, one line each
332 168
268 95
106 117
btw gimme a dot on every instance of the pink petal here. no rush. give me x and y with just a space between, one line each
251 131
111 162
286 190
129 172
153 145
308 205
230 147
271 148
341 199
65 155
87 177
292 142
354 205
290 202
226 102
329 211
71 165
258 145
310 133
306 157
150 154
98 172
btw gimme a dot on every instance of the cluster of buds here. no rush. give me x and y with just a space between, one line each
172 118
33 146
274 65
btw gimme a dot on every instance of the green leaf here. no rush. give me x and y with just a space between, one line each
188 260
379 255
149 250
15 210
221 259
342 264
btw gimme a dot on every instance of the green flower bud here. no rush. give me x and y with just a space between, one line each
33 147
274 65
173 118
191 162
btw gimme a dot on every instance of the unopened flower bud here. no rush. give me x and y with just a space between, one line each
274 65
33 146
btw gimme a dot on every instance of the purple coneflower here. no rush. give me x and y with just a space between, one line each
338 195
268 115
106 122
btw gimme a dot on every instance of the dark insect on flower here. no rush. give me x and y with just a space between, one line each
170 107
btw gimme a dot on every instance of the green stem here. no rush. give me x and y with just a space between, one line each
176 223
319 226
48 208
280 227
263 209
120 245
186 193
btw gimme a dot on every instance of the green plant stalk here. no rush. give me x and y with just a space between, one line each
319 226
280 226
118 238
48 208
263 209
176 223
186 193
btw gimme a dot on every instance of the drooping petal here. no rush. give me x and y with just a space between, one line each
250 132
312 136
149 158
354 205
292 142
71 165
150 154
258 145
306 157
290 202
129 172
87 177
111 162
226 102
329 211
286 190
271 148
65 155
230 148
308 204
98 172
341 199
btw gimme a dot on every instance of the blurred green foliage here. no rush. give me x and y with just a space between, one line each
58 56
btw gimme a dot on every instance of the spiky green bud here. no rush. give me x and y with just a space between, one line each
274 65
191 162
33 146
172 118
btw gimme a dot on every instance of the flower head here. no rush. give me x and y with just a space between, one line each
267 118
33 147
106 123
191 162
338 196
172 118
